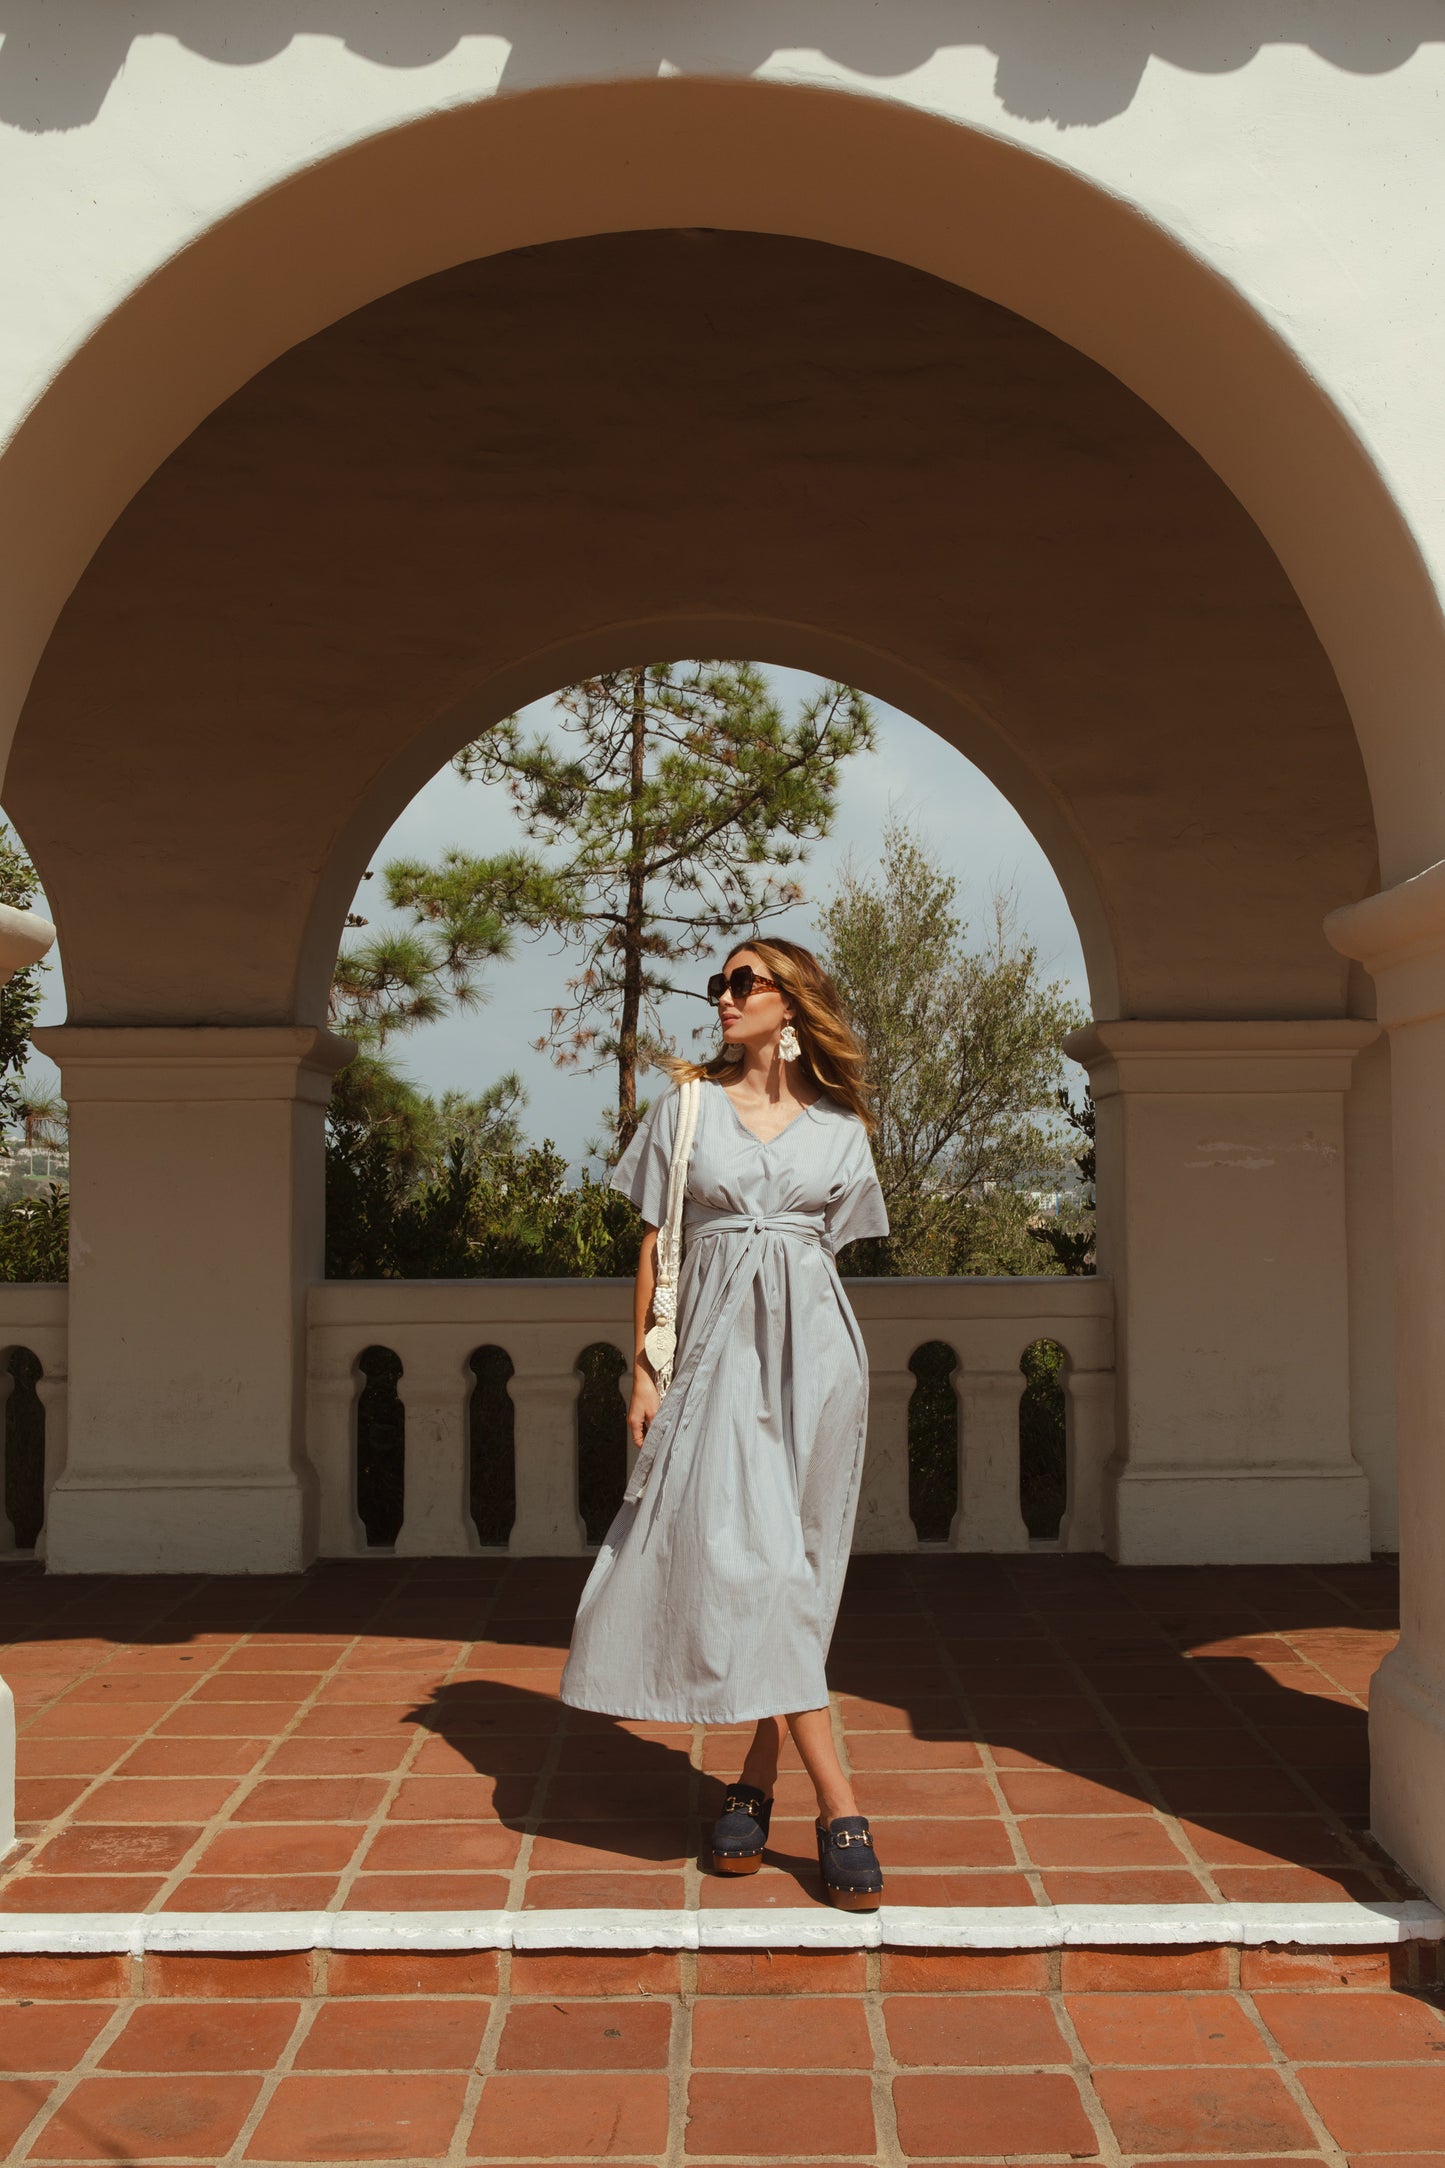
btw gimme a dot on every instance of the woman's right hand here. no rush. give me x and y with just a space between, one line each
644 1404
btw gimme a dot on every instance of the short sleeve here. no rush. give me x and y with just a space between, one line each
642 1172
856 1209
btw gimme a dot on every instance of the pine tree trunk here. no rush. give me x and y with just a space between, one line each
632 928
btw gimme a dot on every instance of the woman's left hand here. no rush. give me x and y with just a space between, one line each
644 1404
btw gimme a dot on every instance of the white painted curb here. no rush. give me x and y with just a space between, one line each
934 1927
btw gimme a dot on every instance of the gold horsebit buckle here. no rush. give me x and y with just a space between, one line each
845 1837
735 1805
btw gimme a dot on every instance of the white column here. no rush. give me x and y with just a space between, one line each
989 1516
884 1522
1222 1225
548 1522
1089 1447
197 1213
1400 938
435 1389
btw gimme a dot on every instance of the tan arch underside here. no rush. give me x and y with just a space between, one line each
568 458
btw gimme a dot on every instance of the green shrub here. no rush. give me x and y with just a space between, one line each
35 1237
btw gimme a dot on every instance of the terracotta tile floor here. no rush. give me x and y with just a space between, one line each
1260 2059
387 1734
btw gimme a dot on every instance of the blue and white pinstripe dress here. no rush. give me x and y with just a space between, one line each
715 1592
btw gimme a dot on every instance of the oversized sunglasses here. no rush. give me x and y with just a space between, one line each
739 983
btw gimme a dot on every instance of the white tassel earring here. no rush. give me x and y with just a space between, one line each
731 1052
788 1047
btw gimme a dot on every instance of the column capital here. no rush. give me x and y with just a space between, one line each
1399 937
142 1062
1233 1054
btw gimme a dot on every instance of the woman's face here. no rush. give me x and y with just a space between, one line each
756 1022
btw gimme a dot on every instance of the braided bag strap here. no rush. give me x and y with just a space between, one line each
660 1344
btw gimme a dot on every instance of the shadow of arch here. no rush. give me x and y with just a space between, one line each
632 155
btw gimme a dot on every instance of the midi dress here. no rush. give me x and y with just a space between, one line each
714 1594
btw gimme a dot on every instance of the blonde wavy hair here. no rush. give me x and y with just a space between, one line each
832 1056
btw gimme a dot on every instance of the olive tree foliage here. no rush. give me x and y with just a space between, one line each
20 999
963 1039
1071 1237
34 1231
671 803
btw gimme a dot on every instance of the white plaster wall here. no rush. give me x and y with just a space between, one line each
1294 148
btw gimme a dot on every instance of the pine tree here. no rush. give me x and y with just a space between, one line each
670 804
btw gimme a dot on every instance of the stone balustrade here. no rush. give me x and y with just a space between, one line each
434 1328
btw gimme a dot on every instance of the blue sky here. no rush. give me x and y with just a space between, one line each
914 774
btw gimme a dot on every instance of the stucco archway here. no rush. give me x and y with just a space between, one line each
489 479
745 158
963 205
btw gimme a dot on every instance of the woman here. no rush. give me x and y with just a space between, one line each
715 1593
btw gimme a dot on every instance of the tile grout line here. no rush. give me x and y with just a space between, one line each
520 1872
484 2067
1289 2077
1111 2152
991 1773
679 2076
281 2068
224 1816
58 1825
376 1821
1153 1790
85 2067
1330 1815
887 2146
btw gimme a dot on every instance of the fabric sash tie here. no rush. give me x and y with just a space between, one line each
802 1226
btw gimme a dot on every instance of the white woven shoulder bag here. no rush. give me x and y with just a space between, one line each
660 1343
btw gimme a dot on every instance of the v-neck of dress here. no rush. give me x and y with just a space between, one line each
801 1114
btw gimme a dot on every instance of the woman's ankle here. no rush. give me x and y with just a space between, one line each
759 1775
837 1808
